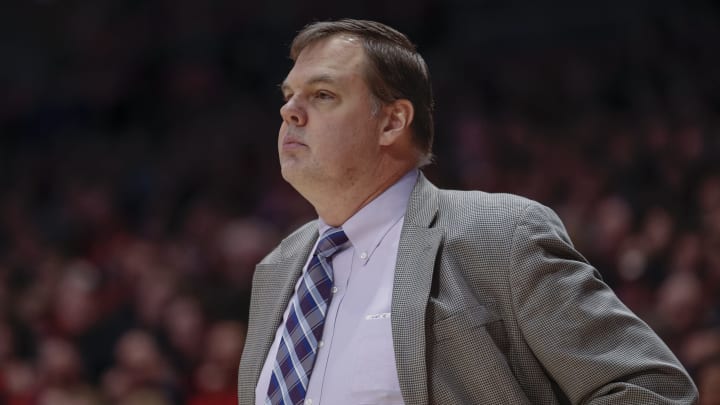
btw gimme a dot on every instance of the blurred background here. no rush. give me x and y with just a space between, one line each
139 182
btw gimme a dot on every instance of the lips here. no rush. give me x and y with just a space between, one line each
290 141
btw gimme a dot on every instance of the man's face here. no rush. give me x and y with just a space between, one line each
329 134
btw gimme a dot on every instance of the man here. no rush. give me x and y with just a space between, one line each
404 293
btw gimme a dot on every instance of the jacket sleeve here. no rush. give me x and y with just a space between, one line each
589 342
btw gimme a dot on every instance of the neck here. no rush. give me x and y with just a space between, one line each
335 208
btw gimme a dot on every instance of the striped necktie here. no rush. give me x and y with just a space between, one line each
304 325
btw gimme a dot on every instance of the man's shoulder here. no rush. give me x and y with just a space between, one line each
297 239
485 205
499 214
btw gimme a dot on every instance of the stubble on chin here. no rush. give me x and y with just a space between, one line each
296 176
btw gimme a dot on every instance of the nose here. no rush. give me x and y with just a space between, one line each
293 114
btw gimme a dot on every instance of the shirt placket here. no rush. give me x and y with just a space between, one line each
341 279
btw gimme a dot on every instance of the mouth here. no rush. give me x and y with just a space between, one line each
292 142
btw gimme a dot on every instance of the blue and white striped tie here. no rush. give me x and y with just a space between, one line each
304 325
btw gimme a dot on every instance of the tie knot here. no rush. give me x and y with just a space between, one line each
332 241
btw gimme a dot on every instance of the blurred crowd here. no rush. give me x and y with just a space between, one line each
140 183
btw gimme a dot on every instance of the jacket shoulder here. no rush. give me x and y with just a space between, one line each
296 239
494 215
482 206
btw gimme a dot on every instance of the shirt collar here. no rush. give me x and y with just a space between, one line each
367 227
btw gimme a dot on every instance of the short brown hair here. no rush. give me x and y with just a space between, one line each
395 69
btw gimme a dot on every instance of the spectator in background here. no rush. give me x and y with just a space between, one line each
215 379
140 367
709 382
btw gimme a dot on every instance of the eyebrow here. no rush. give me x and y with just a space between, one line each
321 78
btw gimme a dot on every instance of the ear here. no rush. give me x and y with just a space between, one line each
399 116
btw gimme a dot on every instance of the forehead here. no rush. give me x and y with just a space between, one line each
338 57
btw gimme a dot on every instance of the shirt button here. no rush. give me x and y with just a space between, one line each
334 290
321 343
363 255
308 401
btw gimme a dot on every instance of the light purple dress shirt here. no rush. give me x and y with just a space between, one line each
355 363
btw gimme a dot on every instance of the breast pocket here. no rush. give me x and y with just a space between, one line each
447 325
375 378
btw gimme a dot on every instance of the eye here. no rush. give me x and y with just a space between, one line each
286 97
324 95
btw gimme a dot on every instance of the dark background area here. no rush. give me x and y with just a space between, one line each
139 182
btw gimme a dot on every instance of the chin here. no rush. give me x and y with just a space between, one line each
286 173
290 173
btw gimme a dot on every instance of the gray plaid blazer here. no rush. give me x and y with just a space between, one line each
491 305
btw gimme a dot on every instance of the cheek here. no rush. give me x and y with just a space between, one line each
351 150
362 138
339 140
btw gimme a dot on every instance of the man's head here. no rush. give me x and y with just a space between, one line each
393 70
357 113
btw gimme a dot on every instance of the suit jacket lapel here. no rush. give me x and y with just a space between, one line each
413 278
273 286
